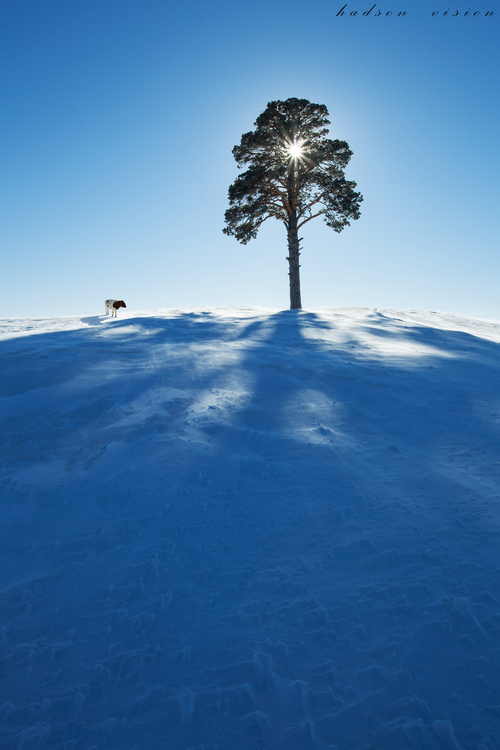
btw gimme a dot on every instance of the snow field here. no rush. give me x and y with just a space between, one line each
238 528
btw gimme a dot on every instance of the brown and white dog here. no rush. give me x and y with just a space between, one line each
114 305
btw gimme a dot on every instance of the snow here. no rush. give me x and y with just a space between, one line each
239 528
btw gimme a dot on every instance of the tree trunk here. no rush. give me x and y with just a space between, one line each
293 263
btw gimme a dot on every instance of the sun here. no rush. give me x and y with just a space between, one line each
295 150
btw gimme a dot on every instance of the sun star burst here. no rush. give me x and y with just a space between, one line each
295 149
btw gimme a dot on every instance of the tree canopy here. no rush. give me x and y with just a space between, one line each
294 174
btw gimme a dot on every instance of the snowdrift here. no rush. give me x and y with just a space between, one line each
239 529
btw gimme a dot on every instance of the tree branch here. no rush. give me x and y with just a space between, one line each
320 213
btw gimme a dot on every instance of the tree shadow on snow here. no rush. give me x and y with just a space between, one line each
361 458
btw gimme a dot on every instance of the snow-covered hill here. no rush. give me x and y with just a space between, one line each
240 529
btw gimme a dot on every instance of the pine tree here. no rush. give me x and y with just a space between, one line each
295 173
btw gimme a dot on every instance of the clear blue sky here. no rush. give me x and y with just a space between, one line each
117 122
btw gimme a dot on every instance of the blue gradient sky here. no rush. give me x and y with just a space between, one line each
117 123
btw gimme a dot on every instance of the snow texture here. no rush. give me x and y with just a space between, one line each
238 528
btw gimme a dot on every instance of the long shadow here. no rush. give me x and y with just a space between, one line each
370 458
282 364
